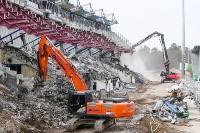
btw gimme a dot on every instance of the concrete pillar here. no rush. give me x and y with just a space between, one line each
61 47
198 63
0 56
90 52
76 48
195 64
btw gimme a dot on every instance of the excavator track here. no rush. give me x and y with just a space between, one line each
72 124
98 124
102 124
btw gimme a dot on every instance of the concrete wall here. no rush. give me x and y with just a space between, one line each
99 85
14 60
16 57
195 64
1 76
109 86
124 77
27 71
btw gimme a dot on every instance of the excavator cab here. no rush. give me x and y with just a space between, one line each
77 100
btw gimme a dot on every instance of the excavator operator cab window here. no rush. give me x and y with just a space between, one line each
77 101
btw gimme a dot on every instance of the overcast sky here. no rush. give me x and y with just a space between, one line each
139 18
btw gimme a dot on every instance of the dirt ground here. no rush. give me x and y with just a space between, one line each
146 97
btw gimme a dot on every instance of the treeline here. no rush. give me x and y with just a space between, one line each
153 58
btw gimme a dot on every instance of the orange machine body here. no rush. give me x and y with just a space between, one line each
173 76
113 110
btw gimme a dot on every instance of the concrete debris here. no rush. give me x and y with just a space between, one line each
45 107
95 67
123 90
27 85
137 118
172 109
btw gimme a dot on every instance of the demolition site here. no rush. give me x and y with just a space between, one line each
64 69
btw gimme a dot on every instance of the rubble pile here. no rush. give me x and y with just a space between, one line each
106 70
43 107
50 102
10 113
103 70
149 124
139 78
88 63
173 108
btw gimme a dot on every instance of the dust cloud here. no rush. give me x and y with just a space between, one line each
134 62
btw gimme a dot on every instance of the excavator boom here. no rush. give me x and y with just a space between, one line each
45 49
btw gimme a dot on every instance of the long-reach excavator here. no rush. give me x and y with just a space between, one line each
86 111
166 75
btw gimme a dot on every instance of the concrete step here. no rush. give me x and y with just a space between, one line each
6 69
11 72
19 76
1 67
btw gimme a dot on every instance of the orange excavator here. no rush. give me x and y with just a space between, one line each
100 114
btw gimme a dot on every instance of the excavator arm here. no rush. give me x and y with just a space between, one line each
162 41
46 49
